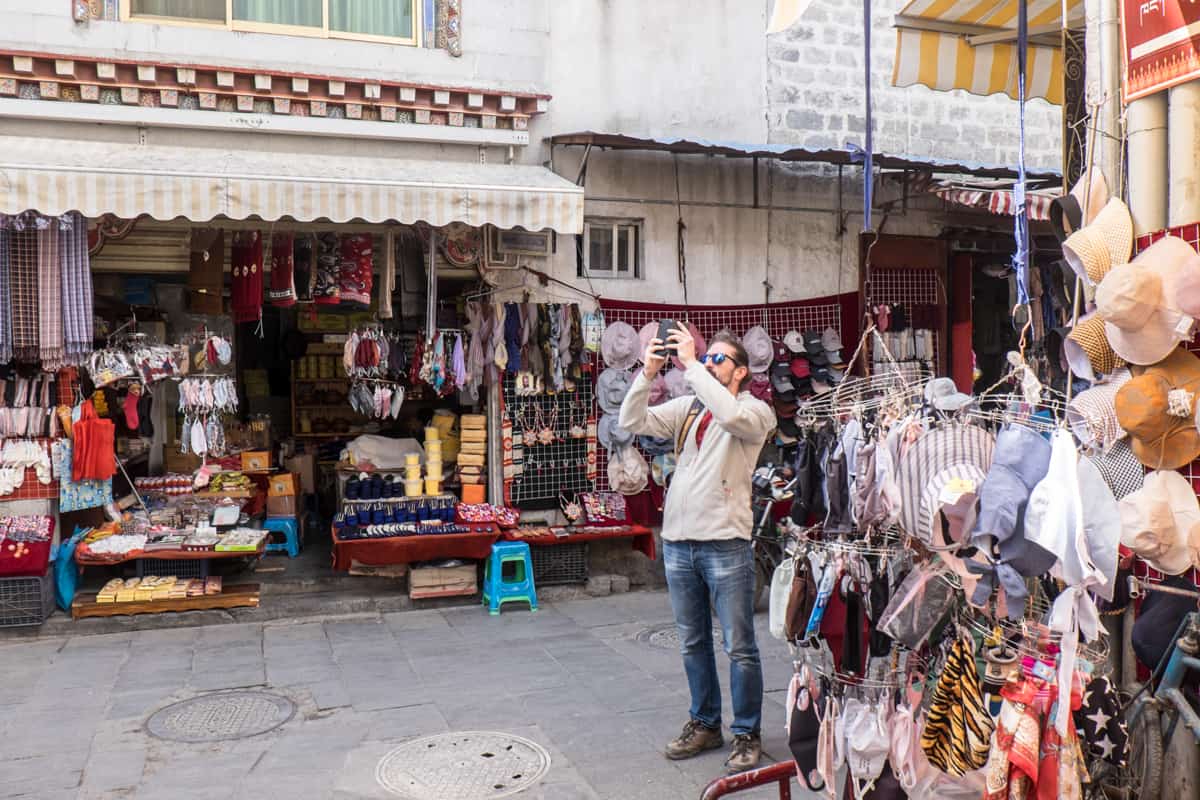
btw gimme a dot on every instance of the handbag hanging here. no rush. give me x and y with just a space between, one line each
95 442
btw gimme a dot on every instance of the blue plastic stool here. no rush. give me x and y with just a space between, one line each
496 589
291 533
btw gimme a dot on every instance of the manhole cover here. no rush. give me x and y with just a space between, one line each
216 717
666 636
468 765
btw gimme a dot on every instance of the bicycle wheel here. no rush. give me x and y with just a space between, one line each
1141 778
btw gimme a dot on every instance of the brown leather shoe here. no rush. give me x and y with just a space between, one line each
747 750
694 740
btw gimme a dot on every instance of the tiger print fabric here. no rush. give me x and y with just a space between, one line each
958 729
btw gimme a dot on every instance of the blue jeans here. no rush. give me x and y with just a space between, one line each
717 574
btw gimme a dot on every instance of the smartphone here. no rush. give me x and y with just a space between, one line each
665 326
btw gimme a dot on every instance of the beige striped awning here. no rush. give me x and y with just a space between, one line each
971 45
54 176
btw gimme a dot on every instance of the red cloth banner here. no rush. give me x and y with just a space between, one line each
1159 41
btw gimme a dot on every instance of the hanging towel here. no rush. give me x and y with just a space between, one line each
387 276
76 289
246 257
6 306
23 282
50 318
458 364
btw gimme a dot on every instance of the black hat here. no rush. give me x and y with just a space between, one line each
813 343
788 427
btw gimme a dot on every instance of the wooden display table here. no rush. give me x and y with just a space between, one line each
421 547
84 558
238 596
643 537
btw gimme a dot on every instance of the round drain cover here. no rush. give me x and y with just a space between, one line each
468 765
216 717
666 636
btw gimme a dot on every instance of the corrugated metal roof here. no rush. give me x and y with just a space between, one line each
788 152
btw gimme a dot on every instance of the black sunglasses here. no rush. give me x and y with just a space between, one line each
717 359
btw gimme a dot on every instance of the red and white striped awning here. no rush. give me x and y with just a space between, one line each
999 201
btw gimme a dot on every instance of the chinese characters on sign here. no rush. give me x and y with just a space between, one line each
1159 40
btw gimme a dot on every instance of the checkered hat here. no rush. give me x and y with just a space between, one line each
1101 245
1088 351
1121 469
1092 414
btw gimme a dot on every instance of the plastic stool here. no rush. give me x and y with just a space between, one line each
496 589
291 532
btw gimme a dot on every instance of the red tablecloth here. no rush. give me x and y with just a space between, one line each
407 549
643 537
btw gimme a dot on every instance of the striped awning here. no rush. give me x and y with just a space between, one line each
53 176
971 45
999 201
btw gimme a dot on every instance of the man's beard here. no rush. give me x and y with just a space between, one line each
725 383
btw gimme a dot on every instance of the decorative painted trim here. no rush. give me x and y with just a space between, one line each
449 32
190 88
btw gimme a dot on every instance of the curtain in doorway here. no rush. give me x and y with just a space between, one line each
374 17
185 9
305 13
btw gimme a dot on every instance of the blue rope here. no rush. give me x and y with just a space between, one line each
869 157
1021 226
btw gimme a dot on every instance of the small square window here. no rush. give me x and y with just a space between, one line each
612 248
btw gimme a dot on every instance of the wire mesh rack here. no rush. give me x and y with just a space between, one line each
544 471
910 288
776 318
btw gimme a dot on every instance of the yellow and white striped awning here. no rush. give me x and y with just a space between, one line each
54 176
971 45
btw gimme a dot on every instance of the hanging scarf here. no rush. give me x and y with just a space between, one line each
246 257
475 354
23 282
76 289
50 320
387 275
458 364
6 304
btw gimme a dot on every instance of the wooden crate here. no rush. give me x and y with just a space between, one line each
425 582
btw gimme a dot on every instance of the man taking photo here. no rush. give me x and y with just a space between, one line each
718 431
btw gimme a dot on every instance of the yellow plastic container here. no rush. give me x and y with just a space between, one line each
412 473
433 486
412 459
432 434
412 488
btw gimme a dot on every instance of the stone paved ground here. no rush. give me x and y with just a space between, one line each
572 677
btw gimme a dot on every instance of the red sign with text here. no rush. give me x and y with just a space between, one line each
1161 42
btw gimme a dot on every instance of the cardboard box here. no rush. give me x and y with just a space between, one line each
473 422
470 435
474 493
256 460
473 448
441 581
174 461
281 506
471 460
305 466
282 485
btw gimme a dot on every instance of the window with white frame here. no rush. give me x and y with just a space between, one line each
612 248
372 20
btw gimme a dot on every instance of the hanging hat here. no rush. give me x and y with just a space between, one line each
619 345
661 467
611 388
677 385
781 378
794 342
1122 472
627 471
1068 214
941 468
1019 463
1095 249
611 435
1161 523
700 346
656 445
831 340
1092 414
1137 302
1158 409
799 367
295 344
1087 349
759 347
943 394
645 335
782 353
658 391
760 387
785 408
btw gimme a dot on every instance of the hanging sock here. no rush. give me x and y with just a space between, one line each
131 407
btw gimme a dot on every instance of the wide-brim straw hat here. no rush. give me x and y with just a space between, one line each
1096 248
1137 301
1161 522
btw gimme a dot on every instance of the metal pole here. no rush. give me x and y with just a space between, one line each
1146 122
868 143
